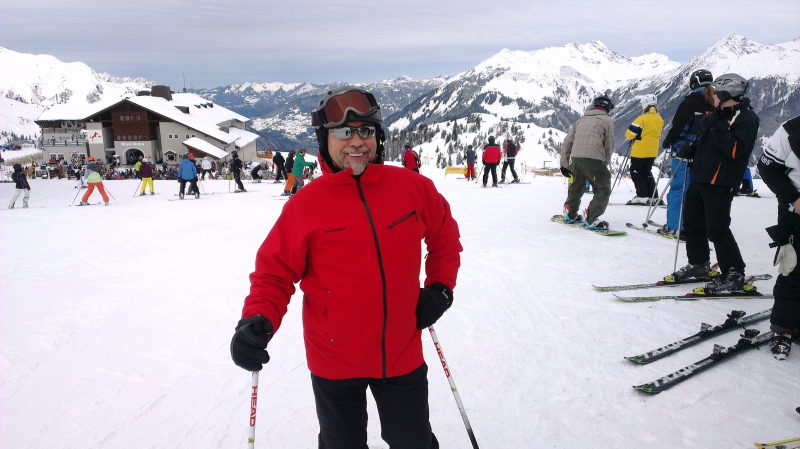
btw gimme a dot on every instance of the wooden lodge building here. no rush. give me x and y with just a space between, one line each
158 124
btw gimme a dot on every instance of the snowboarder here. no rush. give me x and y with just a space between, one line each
205 164
146 173
685 126
298 168
187 172
720 155
280 167
362 313
95 179
411 159
585 156
491 159
471 157
287 189
645 132
236 168
510 150
21 187
779 167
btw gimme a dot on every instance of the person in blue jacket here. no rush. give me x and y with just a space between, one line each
685 126
187 172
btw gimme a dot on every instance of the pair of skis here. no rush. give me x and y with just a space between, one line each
687 296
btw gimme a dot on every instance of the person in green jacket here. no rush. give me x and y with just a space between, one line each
299 167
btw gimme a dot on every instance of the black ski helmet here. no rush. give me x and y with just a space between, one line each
341 105
491 140
700 78
604 103
730 86
235 154
17 167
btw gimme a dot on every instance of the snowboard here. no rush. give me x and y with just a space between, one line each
605 232
794 443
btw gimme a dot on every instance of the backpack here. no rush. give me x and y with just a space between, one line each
416 158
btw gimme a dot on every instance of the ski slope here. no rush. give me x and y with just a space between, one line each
116 323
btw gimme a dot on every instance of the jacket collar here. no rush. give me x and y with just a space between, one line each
371 175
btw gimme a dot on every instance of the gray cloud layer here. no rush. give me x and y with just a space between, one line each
218 43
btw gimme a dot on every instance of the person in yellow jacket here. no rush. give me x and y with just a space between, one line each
645 132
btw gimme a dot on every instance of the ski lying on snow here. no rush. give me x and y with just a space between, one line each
616 288
750 339
650 231
606 232
692 296
735 319
794 443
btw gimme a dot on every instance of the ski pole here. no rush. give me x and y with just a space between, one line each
453 387
651 210
112 196
76 195
622 167
201 186
680 216
137 188
251 440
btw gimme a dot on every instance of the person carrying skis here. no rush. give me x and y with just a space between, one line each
491 159
411 158
187 172
471 157
645 133
21 186
206 166
585 156
146 173
685 126
779 167
720 155
280 167
287 189
298 169
95 179
236 168
363 307
510 154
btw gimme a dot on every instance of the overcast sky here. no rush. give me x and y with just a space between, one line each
220 43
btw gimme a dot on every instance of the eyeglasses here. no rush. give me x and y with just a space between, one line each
347 133
335 110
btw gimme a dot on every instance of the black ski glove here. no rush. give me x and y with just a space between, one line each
686 152
565 171
249 343
433 301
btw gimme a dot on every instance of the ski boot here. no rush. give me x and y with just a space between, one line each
152 193
516 181
483 185
25 206
494 184
106 203
11 206
180 195
197 195
733 282
597 225
83 204
701 271
781 344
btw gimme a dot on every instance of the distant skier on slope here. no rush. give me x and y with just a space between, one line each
280 167
510 155
410 158
491 158
470 157
146 173
585 156
236 169
779 167
645 132
21 186
187 172
95 179
287 189
685 126
719 158
205 164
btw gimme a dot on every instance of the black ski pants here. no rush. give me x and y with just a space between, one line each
402 408
237 176
642 176
509 162
486 169
786 310
707 216
280 169
192 185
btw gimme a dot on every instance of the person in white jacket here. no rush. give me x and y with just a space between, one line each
206 166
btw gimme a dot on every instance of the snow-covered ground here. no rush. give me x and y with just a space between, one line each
116 323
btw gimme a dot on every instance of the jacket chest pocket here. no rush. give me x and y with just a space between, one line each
409 216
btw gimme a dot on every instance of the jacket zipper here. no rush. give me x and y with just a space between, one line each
383 279
405 217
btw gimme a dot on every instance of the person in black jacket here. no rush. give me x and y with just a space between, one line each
21 185
236 168
280 166
510 152
779 167
720 155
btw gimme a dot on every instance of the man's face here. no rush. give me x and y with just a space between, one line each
355 153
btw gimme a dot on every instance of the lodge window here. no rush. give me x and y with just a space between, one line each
187 136
192 135
170 156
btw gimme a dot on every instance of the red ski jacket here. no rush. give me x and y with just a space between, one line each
354 244
410 160
491 154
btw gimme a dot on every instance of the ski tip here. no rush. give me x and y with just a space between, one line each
635 360
645 389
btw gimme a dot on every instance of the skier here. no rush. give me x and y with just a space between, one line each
645 132
21 186
470 156
585 156
77 163
280 167
298 168
779 167
95 179
287 189
146 173
510 155
236 168
411 158
138 167
187 172
490 158
685 126
720 155
206 166
255 167
363 307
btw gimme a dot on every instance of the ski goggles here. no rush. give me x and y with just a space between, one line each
348 105
347 133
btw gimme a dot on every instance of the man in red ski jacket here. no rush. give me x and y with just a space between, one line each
491 158
352 241
410 159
